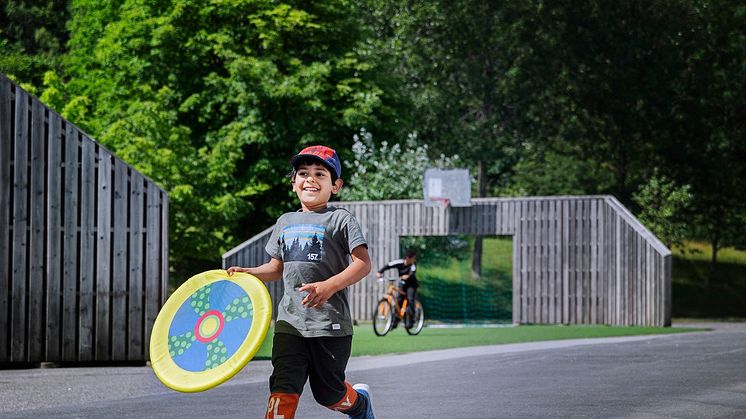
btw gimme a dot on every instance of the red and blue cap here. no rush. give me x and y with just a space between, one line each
322 153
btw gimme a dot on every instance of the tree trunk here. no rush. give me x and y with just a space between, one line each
714 258
476 255
715 244
476 258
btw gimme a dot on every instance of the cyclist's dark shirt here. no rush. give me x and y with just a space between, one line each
403 270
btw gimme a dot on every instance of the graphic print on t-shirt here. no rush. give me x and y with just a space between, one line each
302 242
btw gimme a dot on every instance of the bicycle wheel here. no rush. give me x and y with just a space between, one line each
419 319
383 317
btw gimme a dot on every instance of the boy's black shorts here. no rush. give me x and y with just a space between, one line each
322 361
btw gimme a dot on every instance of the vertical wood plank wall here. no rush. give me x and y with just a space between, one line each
83 242
576 259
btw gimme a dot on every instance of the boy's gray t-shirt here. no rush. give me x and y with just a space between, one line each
313 247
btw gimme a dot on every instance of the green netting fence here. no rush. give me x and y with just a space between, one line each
468 300
447 290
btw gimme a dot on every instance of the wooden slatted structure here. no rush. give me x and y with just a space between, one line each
83 242
576 259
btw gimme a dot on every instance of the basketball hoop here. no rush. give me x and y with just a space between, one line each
446 188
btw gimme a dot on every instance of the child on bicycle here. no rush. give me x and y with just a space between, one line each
318 252
407 269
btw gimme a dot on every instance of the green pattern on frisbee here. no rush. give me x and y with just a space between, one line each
239 308
201 300
178 344
216 354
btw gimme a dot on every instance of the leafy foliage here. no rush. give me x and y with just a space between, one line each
708 121
210 98
32 38
452 58
664 209
390 171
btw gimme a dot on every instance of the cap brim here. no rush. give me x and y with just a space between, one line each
297 157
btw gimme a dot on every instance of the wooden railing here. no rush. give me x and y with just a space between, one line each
83 242
576 259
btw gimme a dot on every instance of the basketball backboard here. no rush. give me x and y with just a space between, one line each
447 187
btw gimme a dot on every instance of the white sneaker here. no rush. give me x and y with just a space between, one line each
364 390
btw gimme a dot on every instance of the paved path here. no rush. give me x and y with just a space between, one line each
692 375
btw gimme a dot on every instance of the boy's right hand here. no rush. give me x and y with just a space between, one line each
234 269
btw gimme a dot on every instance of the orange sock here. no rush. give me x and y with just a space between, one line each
348 400
282 406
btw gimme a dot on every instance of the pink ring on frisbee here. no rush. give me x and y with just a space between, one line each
209 326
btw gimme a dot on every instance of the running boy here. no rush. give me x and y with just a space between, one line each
406 269
318 252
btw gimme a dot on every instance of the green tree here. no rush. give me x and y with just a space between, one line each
599 83
584 97
710 121
665 207
544 98
456 64
389 171
210 99
32 39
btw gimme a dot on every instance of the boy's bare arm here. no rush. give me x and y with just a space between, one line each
270 271
320 292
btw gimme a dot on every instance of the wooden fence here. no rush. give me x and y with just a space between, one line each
83 242
576 259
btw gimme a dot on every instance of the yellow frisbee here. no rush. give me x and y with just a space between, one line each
209 329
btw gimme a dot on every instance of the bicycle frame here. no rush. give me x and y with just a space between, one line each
388 312
391 294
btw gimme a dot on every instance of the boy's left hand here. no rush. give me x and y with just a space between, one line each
318 294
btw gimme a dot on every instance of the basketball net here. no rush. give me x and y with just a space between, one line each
441 202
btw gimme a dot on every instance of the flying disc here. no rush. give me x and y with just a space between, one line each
209 329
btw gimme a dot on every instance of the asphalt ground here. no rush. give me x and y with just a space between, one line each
690 375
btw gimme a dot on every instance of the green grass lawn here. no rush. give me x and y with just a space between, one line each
365 342
696 295
702 252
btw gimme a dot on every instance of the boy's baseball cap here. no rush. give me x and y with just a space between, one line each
322 153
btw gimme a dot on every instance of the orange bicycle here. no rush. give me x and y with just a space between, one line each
388 310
